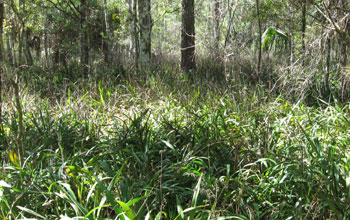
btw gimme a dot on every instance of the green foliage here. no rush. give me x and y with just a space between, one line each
139 148
274 38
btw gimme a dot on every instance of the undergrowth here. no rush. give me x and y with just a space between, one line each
162 145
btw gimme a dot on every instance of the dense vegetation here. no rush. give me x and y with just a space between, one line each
95 126
163 144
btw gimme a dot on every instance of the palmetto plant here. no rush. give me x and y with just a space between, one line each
274 39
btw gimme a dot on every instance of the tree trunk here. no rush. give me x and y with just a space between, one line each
216 26
84 40
9 52
20 46
27 53
106 44
303 29
188 36
36 43
131 29
136 35
134 42
145 23
2 12
343 54
328 59
260 36
46 43
230 23
343 43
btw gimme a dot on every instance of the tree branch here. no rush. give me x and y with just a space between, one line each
73 16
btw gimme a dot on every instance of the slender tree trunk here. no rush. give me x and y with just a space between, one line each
37 46
13 42
291 53
15 33
9 52
134 42
106 45
27 53
25 35
136 35
162 39
344 55
145 23
84 40
303 29
217 25
343 43
188 36
21 33
2 14
20 46
46 44
131 29
260 36
2 61
328 58
230 23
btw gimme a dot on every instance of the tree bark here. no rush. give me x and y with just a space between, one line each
260 36
216 25
20 47
9 52
230 22
84 40
134 35
46 43
2 14
145 23
344 44
328 59
106 44
131 28
303 29
27 53
188 36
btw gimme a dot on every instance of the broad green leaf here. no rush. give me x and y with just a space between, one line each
126 208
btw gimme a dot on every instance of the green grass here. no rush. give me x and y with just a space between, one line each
114 146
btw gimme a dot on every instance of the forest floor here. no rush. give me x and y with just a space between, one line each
163 146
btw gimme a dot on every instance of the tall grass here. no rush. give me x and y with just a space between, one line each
161 146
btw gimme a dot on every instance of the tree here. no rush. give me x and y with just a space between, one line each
188 36
303 28
260 37
217 25
334 16
145 23
231 14
26 41
106 42
2 12
84 37
18 31
134 42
